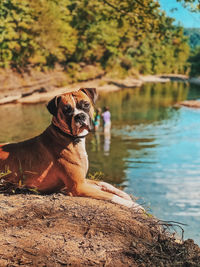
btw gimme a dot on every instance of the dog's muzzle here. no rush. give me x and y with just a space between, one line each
80 118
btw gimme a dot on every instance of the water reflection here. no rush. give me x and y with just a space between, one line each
143 105
153 150
107 158
96 142
107 141
19 122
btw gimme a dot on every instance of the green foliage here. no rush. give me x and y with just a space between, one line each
97 176
193 5
54 36
194 42
16 20
195 62
194 36
121 36
35 32
4 173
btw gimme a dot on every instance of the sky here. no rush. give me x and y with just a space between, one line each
182 15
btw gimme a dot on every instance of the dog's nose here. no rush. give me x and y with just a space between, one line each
80 117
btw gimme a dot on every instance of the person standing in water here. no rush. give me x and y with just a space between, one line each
106 128
97 119
106 120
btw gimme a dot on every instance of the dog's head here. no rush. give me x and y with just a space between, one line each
73 112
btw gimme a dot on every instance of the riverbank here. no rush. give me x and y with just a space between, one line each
57 230
36 86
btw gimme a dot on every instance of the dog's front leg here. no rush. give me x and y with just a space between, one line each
91 190
119 196
77 185
109 188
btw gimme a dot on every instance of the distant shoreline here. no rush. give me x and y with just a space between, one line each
41 93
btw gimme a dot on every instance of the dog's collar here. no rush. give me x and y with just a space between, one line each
75 138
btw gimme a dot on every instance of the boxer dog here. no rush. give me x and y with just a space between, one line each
57 158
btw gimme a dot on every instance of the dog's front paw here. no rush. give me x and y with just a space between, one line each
127 203
137 207
109 188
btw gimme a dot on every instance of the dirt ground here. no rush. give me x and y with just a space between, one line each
58 230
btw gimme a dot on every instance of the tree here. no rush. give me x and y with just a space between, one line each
195 62
193 5
119 35
16 33
35 32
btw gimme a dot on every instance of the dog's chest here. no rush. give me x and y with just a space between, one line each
82 153
76 155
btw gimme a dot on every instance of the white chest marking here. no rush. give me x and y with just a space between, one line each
83 153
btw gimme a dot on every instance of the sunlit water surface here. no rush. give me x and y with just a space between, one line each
154 150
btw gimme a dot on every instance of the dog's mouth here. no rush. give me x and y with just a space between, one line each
81 129
83 126
80 123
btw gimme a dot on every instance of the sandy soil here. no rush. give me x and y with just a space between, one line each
57 230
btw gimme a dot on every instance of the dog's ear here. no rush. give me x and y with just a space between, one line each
91 93
53 105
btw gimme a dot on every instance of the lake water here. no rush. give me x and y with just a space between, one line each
153 153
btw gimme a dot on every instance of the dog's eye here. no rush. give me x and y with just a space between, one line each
68 109
84 105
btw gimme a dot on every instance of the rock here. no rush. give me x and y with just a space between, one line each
154 78
9 99
126 83
39 97
190 103
195 80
